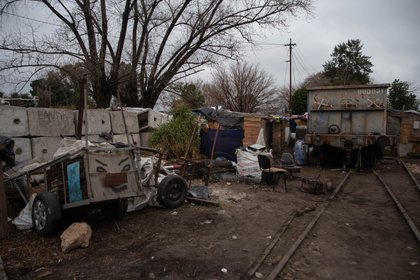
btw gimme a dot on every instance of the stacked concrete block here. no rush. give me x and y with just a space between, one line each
51 122
37 132
119 130
99 121
117 123
22 149
97 138
14 121
149 119
145 139
43 148
134 139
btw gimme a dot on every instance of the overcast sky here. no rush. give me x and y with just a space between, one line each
389 31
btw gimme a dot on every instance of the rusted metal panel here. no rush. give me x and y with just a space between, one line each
355 114
356 110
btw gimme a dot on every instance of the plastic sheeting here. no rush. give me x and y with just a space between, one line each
225 118
226 143
248 164
24 220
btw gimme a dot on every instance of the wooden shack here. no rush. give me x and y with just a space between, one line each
405 124
252 127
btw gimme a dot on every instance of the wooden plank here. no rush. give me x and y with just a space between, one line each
252 127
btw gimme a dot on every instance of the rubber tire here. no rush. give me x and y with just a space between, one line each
172 191
46 213
115 210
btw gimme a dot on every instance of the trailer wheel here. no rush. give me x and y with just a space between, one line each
46 212
115 210
172 191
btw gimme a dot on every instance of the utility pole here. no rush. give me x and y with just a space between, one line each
290 45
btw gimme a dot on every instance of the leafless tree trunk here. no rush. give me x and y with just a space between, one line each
244 88
162 41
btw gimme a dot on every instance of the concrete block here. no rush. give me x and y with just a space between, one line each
51 122
22 149
13 121
43 148
96 139
99 121
145 139
134 139
117 123
151 119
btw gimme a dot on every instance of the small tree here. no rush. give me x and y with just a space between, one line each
300 101
401 97
173 137
348 65
189 94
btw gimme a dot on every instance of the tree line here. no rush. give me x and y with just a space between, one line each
242 87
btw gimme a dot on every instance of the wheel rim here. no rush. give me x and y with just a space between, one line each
175 192
40 215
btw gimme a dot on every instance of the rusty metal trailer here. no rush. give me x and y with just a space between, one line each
349 123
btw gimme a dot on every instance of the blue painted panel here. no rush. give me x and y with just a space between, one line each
74 188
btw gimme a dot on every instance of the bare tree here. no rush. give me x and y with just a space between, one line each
161 41
243 88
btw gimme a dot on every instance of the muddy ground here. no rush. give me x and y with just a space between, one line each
359 237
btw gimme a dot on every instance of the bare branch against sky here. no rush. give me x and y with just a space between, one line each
158 41
387 29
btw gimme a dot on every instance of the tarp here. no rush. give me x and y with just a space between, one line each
227 141
225 118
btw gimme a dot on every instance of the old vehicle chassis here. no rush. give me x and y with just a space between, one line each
92 176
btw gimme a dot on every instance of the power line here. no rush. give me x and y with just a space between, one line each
300 54
28 18
300 63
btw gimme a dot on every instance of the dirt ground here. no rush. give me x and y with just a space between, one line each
360 236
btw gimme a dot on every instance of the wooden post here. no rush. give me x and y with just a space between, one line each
3 206
81 108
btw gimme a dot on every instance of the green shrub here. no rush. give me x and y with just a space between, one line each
173 137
